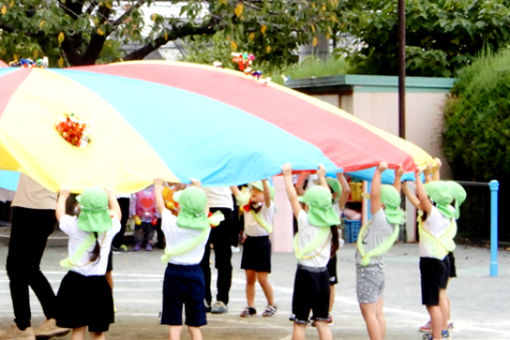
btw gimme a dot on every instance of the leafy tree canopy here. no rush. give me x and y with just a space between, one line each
83 32
441 35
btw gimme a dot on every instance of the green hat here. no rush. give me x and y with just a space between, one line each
192 202
260 186
321 214
440 193
390 198
94 214
458 194
335 185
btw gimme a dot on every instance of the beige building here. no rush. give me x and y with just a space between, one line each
374 99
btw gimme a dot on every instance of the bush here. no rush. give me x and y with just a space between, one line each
477 128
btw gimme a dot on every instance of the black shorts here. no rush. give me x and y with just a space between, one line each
85 301
434 277
333 279
183 286
311 293
257 254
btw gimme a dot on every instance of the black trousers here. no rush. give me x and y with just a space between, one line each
29 233
118 240
221 239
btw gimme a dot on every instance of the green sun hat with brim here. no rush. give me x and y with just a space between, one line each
94 214
439 192
192 202
458 193
391 200
320 213
260 186
335 185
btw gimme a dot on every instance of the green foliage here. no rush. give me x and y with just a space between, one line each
442 36
477 119
270 29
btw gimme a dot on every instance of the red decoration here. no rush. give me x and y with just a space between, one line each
73 130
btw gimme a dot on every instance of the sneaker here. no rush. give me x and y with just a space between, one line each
426 328
270 311
15 333
148 247
49 328
248 311
219 307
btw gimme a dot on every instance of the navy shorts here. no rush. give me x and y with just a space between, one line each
311 293
183 286
434 277
84 301
257 254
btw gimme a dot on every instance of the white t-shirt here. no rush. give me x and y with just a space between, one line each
174 235
219 197
69 225
378 231
306 233
436 224
252 228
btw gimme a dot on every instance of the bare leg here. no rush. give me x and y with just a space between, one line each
78 333
298 331
323 330
195 333
251 278
369 312
262 277
380 317
174 332
331 298
436 321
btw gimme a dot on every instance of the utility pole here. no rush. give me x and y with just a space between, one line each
401 69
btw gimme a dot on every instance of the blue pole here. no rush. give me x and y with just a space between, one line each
494 186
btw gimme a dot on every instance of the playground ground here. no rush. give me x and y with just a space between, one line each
480 303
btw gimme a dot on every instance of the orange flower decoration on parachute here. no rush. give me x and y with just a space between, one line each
73 130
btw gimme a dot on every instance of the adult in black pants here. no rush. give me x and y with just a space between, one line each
118 240
33 220
219 198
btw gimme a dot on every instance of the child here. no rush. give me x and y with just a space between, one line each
437 228
85 297
256 258
186 236
340 191
375 238
317 234
146 219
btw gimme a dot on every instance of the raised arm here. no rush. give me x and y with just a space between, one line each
346 190
375 191
411 196
113 204
397 181
158 195
321 173
61 204
291 191
425 204
267 193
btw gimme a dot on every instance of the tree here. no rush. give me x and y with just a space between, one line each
441 36
81 32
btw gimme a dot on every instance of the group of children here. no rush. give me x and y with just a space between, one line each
316 242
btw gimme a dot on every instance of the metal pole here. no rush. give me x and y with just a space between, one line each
494 186
401 69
